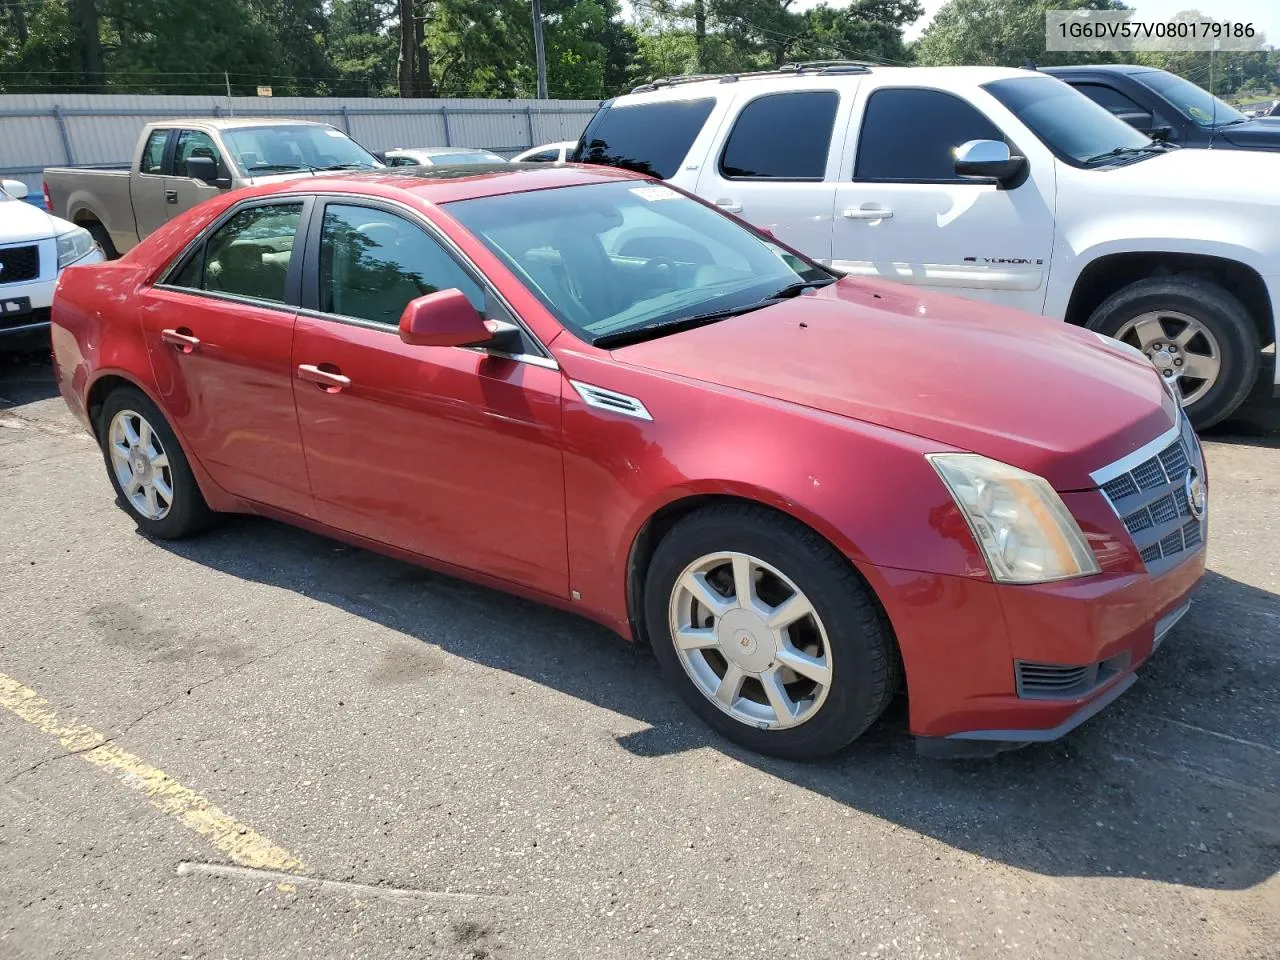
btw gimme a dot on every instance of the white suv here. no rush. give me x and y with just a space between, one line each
996 184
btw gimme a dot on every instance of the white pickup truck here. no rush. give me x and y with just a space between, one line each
996 184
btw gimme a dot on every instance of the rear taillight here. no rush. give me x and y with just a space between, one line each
48 204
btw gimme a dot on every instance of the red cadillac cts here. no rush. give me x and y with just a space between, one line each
585 387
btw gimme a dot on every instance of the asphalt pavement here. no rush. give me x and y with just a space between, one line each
262 743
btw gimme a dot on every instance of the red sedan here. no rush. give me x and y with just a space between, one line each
588 388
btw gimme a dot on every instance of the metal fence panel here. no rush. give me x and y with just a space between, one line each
75 129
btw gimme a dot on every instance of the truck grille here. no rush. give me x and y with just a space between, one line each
1150 497
19 263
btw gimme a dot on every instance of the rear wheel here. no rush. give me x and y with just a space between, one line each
1195 333
767 632
148 469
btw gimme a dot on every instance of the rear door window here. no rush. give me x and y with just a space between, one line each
910 134
153 153
783 136
652 138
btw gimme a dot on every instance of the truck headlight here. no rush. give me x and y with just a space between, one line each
72 245
1020 523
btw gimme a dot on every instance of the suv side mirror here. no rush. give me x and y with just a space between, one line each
1161 133
987 159
204 169
14 188
445 318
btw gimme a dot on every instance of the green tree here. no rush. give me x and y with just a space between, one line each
1001 33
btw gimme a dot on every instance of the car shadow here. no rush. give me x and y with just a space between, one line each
25 377
1145 789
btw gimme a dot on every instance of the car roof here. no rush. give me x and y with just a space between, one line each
231 123
437 185
1098 68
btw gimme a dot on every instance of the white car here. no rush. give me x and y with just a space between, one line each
547 153
439 156
34 248
997 184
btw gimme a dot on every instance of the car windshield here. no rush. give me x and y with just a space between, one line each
609 259
265 150
1196 102
1075 128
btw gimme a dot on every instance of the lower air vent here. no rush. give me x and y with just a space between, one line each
603 399
1053 681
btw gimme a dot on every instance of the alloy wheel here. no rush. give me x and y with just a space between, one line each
141 465
1181 347
750 640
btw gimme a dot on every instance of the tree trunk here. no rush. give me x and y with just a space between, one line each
405 68
19 17
422 84
84 17
700 33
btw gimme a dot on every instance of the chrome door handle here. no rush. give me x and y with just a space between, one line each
729 206
868 213
326 379
181 338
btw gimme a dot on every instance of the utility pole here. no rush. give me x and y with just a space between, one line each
230 106
539 52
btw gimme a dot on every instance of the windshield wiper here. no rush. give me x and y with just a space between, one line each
264 167
795 289
1232 123
346 166
663 327
1154 147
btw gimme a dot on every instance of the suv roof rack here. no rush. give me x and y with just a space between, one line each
787 69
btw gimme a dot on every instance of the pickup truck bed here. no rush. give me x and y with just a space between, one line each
98 199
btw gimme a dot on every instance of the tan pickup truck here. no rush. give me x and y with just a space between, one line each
178 163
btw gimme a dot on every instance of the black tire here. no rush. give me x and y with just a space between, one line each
866 671
189 513
103 239
1220 312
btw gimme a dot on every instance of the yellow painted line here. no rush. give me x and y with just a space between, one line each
243 845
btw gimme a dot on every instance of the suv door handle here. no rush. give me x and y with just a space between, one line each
729 206
171 196
868 213
181 338
328 380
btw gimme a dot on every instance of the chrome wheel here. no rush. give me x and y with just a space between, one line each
1181 347
141 465
750 640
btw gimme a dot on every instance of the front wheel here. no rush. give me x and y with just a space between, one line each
767 632
1195 333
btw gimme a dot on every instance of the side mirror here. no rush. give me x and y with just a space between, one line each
204 169
987 159
443 319
14 188
1160 133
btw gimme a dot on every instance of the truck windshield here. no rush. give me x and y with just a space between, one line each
263 150
1075 128
633 259
1196 102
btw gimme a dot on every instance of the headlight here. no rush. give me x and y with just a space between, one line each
1021 524
72 245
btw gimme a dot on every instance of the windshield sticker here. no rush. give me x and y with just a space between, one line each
654 193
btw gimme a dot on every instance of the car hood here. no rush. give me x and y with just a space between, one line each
1191 176
1260 134
1035 393
21 221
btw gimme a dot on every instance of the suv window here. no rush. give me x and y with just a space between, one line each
153 153
909 134
248 256
782 136
372 263
194 143
651 138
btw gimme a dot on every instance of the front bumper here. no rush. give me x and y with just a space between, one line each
962 638
25 307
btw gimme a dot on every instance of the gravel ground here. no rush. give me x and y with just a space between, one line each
444 771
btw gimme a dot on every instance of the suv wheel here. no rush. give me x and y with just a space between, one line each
1195 332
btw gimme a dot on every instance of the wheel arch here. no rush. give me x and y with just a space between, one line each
1111 272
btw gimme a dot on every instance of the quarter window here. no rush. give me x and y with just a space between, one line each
194 143
372 263
784 136
910 135
153 153
248 256
651 138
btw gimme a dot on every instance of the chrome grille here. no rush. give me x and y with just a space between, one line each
1148 492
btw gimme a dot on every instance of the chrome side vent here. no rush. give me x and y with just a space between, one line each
609 400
